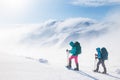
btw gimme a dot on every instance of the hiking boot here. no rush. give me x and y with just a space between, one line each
69 67
95 70
76 69
104 72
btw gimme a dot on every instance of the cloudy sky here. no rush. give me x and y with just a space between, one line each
36 11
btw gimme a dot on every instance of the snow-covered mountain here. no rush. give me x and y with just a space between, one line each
54 32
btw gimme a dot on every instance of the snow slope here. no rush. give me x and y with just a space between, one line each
14 67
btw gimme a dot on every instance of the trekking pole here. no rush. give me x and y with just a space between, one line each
67 52
95 61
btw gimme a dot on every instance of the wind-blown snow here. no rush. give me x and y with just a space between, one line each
37 52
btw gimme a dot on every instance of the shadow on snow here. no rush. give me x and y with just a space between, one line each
113 76
87 75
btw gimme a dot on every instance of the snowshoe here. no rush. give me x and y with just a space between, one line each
95 70
69 67
76 69
104 73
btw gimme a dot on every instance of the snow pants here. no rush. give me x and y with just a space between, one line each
103 64
75 58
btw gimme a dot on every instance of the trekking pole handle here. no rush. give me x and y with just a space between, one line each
67 51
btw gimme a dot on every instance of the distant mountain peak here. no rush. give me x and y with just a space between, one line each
53 31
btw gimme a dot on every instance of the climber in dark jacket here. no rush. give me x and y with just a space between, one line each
102 56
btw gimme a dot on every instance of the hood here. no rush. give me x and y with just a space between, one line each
98 49
71 44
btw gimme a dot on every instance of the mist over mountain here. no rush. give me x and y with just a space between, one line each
54 32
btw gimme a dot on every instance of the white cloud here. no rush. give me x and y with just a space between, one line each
95 2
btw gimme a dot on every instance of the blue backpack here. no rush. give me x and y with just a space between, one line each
104 53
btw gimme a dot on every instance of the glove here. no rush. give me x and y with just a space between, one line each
96 56
67 50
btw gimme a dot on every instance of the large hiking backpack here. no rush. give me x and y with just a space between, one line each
78 48
104 53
